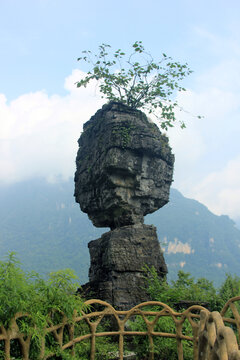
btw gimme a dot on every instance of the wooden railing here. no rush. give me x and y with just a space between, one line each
212 336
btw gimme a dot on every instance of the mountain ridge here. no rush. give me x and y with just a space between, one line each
43 224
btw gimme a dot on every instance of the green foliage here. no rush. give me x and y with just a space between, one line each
15 289
40 301
229 288
184 288
44 300
196 290
164 348
58 293
137 80
187 288
104 346
29 293
125 133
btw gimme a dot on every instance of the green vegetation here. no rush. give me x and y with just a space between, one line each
29 293
125 133
229 289
42 303
188 288
164 348
45 300
137 80
44 225
184 288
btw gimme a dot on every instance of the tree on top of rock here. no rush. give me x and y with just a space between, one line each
137 80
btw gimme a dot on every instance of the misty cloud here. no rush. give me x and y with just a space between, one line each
38 133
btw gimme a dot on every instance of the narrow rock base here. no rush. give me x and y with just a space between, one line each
117 259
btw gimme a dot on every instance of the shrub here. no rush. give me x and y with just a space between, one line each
137 80
42 301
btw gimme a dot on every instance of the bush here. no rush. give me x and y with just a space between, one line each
137 80
164 348
42 302
184 288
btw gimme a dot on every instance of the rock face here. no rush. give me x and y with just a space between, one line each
124 167
124 171
117 262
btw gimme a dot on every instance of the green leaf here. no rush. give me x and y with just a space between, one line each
142 83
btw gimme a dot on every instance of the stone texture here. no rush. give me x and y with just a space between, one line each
124 167
117 260
124 171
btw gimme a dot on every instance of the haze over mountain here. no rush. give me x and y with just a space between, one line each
43 224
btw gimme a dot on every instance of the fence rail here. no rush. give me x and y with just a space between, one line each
211 334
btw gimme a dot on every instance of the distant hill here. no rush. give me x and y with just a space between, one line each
237 221
196 240
42 223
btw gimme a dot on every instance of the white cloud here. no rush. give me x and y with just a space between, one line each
38 136
207 165
221 189
38 133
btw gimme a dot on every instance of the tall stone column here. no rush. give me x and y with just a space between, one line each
124 171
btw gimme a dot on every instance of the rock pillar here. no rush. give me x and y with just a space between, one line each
124 171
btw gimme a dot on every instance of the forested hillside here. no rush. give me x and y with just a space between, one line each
42 223
196 240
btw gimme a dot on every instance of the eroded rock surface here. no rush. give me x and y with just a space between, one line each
117 261
124 171
124 167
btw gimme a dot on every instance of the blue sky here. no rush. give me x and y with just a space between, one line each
42 112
